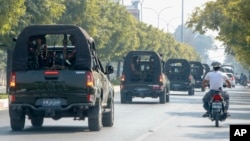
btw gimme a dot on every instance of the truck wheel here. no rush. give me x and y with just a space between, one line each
191 91
37 121
202 89
163 97
95 117
123 98
129 98
126 98
17 120
167 95
108 117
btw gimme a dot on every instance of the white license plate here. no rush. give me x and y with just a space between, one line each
51 102
141 89
216 105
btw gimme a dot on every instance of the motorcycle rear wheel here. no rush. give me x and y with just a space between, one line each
216 118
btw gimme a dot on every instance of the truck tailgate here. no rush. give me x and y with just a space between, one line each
63 81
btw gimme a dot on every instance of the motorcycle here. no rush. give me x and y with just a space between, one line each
217 105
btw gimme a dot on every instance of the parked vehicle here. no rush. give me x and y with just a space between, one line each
143 77
179 74
197 72
217 105
45 83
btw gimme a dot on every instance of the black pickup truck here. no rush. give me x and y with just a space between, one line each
197 70
143 76
52 78
179 74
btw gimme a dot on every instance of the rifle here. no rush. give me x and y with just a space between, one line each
54 54
65 42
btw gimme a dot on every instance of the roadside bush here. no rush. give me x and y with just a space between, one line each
115 81
3 96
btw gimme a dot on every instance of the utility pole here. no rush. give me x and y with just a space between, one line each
158 13
182 18
141 2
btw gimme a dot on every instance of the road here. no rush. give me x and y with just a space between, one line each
143 120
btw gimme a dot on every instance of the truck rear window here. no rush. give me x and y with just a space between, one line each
51 52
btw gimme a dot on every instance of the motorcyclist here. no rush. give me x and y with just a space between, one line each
215 79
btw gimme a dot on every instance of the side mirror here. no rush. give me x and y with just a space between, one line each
109 69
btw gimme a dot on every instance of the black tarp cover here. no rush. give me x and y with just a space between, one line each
153 54
83 56
198 69
184 64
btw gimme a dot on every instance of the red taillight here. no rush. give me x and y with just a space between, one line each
90 79
232 78
12 98
157 87
51 72
217 97
123 77
13 79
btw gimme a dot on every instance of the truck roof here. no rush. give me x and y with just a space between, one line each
82 44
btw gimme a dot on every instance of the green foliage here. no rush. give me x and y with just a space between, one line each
231 19
3 59
115 31
115 81
3 96
10 11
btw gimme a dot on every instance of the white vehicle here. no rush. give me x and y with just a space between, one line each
231 79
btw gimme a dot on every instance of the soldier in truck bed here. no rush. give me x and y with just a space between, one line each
37 51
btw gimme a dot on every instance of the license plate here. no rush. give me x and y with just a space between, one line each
51 102
216 105
142 89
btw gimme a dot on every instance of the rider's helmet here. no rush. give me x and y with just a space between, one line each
216 65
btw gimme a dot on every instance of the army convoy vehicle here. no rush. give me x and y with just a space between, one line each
143 76
53 78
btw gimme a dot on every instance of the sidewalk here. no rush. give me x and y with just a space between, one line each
4 102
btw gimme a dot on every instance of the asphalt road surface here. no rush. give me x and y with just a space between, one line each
143 120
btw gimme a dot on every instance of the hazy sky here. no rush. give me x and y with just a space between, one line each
170 17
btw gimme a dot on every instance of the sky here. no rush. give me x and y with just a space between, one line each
170 17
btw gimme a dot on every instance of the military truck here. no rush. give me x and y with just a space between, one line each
143 76
52 78
179 74
197 70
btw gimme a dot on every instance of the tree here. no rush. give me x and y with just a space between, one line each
11 10
231 19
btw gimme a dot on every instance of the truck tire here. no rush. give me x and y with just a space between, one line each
191 91
167 95
202 89
108 117
95 117
126 98
17 120
123 98
163 97
37 121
